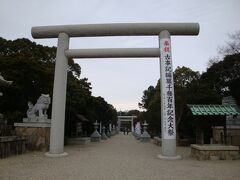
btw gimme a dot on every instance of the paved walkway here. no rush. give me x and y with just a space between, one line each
121 157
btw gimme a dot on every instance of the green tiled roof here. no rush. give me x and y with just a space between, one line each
212 109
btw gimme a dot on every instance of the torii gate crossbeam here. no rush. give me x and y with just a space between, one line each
116 29
163 30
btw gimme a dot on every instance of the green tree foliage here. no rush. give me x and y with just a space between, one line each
184 79
31 68
101 111
188 89
152 105
224 76
224 70
133 112
147 97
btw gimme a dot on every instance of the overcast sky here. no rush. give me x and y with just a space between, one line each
122 81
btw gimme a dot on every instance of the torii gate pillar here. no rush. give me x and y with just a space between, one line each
168 124
59 99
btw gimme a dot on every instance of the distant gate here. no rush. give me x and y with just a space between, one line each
126 119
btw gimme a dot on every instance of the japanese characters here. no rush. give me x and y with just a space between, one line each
168 107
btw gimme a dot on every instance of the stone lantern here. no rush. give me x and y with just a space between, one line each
104 136
95 137
145 137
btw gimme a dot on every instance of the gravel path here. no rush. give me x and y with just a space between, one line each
120 157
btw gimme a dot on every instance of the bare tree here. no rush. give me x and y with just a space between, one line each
233 45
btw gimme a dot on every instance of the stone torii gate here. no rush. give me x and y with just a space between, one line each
126 119
162 30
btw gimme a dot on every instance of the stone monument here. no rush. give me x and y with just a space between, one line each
38 112
36 127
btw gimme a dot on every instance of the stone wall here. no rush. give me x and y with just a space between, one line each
233 135
214 152
38 138
78 140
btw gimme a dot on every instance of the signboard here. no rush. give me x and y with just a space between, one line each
167 90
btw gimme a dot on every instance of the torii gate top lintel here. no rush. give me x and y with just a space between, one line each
116 29
127 116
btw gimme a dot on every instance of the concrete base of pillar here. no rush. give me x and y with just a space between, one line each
177 157
48 154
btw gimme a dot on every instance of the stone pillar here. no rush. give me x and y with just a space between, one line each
132 128
110 127
59 99
167 98
118 125
100 127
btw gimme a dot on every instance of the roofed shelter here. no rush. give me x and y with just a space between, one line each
211 115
